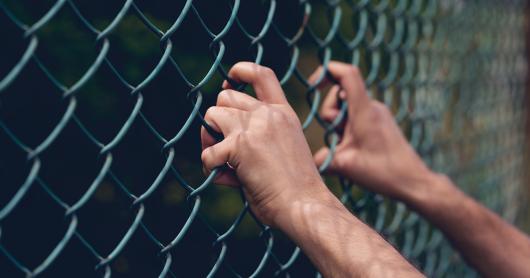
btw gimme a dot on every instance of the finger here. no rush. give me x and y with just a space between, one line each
262 79
322 156
228 178
224 119
349 78
330 109
238 100
226 85
206 139
319 78
224 176
316 76
217 155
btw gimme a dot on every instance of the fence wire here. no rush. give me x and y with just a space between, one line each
453 72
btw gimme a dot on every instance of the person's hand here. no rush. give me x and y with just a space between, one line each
263 144
372 150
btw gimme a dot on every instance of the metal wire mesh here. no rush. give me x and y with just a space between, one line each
453 72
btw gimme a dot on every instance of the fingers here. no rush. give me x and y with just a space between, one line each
350 80
216 156
321 156
224 119
316 76
334 166
227 177
206 138
330 110
262 79
238 100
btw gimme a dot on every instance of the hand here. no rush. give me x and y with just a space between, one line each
267 154
372 150
263 144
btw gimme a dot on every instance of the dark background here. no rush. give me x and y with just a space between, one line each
32 106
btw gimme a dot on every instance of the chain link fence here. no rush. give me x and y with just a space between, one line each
101 105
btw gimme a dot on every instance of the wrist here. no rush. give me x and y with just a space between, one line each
436 194
417 185
303 206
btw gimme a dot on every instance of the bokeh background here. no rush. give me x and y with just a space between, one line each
32 106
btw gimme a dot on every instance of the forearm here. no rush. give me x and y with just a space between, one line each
339 244
488 243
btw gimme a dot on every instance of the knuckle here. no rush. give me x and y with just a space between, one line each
354 70
282 117
240 64
210 113
204 156
266 72
277 116
223 97
380 111
237 66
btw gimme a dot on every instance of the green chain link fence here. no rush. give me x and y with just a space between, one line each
101 104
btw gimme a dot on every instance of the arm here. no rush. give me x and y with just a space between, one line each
374 152
339 244
268 156
492 246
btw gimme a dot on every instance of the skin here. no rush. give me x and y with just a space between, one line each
268 156
374 152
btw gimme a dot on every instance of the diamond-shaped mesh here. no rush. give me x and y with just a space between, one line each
101 104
